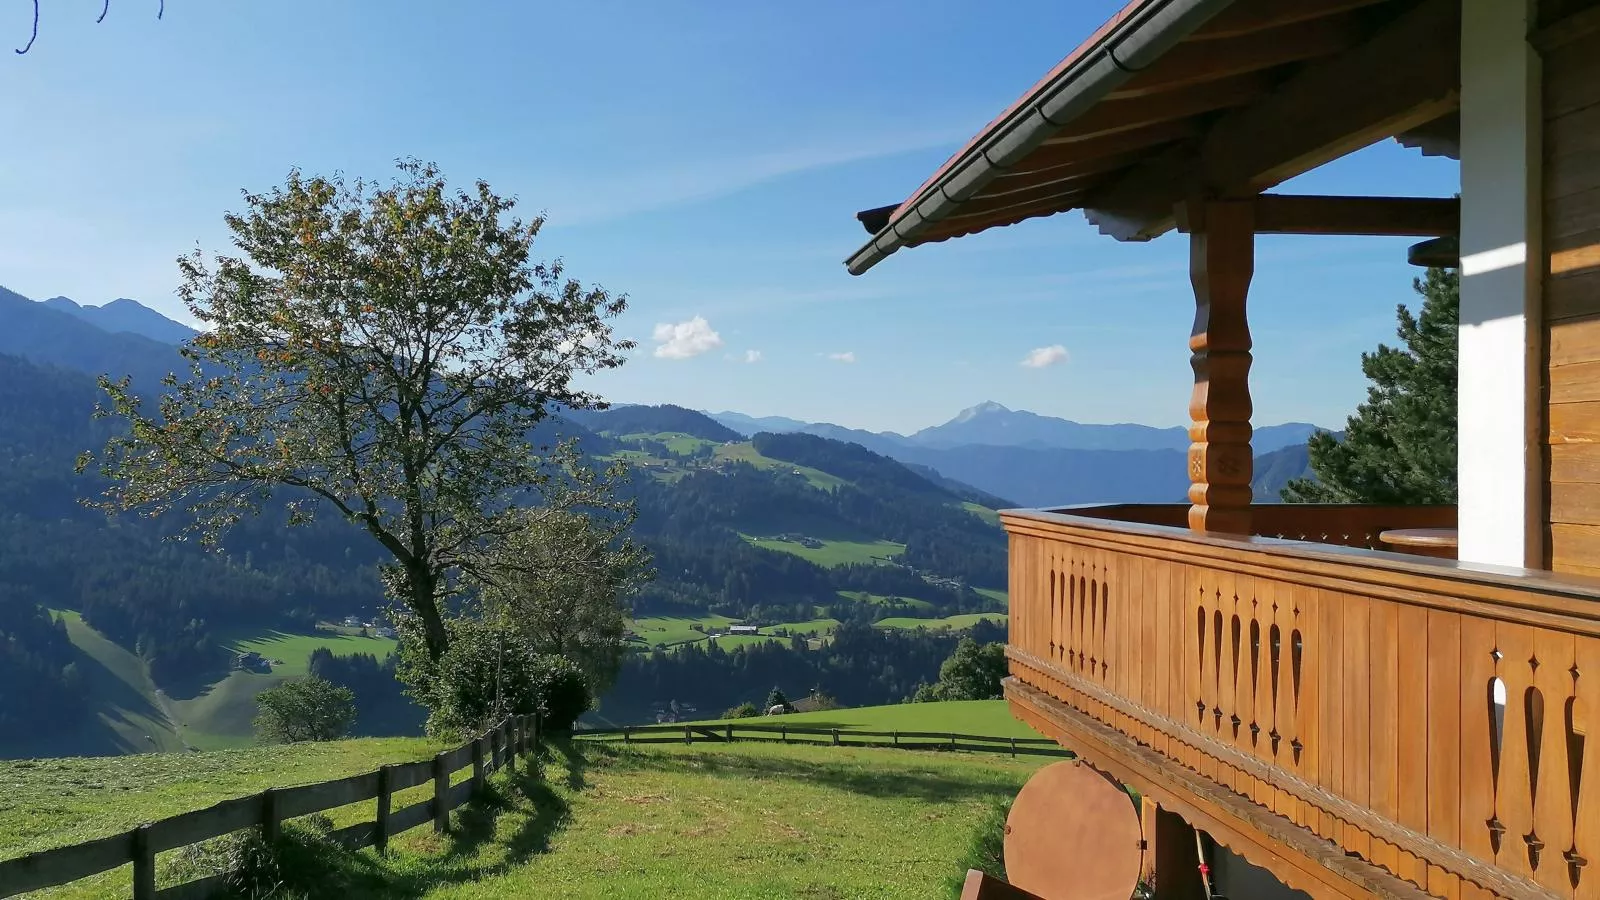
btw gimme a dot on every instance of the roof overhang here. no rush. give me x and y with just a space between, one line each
1177 99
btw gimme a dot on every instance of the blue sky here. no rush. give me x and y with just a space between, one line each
707 159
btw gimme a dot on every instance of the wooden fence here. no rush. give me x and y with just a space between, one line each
496 748
836 737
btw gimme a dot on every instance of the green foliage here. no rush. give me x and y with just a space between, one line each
490 672
776 697
745 710
1400 446
986 851
380 352
560 578
973 672
306 709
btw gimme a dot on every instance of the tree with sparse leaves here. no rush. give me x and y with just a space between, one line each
561 579
306 709
382 352
1400 446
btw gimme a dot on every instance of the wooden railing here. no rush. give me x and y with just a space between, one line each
496 748
1429 717
836 737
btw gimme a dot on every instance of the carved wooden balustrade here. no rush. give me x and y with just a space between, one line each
1312 701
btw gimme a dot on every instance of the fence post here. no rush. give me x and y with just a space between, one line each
836 737
783 732
381 827
1013 748
896 736
952 740
687 737
477 764
144 865
730 734
495 740
515 733
626 730
441 791
270 827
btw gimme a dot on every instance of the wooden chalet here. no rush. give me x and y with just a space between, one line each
1335 717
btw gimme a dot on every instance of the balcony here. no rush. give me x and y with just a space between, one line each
1361 723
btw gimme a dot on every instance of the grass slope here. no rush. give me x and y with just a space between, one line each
734 821
986 717
130 714
834 553
965 620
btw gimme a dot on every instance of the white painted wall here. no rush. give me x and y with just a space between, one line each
1500 403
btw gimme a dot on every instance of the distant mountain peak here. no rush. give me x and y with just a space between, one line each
124 315
988 407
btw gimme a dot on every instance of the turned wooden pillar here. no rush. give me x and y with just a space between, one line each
1221 262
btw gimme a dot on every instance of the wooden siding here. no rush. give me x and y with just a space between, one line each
1572 289
1291 697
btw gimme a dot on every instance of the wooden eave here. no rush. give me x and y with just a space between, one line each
1231 98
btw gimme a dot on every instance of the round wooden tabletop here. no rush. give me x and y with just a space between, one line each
1438 542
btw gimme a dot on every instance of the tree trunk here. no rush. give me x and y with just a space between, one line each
425 603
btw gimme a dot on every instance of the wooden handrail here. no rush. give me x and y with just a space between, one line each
1352 692
61 865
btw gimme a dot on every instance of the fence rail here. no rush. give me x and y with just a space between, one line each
495 749
837 737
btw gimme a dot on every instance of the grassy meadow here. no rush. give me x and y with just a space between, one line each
964 620
833 553
991 718
731 821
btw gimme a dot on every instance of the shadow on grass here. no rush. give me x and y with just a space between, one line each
867 781
476 847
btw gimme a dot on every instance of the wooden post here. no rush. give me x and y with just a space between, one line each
783 730
381 827
895 735
836 737
1221 263
687 738
441 792
1013 748
144 865
979 886
626 730
511 744
730 734
496 746
271 828
477 763
1170 854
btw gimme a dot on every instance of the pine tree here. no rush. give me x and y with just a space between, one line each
1400 446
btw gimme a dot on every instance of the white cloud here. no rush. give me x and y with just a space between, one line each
1045 356
849 356
683 340
752 356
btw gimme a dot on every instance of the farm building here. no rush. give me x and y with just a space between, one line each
1333 701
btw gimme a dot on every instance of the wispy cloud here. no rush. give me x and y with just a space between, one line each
751 356
1043 357
848 356
591 197
683 340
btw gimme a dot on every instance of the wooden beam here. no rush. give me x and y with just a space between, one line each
1113 116
1392 216
1403 76
1221 263
1441 137
1194 62
979 886
1117 143
1250 16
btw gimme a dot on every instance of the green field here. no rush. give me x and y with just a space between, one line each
881 600
289 652
982 512
985 717
966 620
130 714
675 441
834 553
993 594
672 630
733 821
746 452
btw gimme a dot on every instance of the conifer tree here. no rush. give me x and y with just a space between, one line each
1400 446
